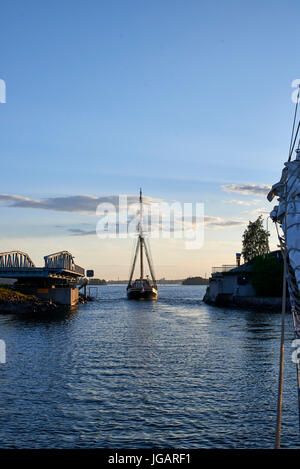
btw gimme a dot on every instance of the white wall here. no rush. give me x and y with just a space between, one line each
228 284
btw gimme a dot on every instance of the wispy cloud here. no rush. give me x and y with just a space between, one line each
241 202
217 222
260 211
172 227
75 203
79 232
247 189
88 204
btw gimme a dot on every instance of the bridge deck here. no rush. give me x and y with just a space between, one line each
39 272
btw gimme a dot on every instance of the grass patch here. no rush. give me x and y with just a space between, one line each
11 296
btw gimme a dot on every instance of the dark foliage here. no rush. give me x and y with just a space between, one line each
267 276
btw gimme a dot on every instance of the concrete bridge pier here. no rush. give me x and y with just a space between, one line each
62 296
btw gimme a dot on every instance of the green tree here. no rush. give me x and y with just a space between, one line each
255 240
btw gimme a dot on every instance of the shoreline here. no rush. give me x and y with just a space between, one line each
268 304
14 302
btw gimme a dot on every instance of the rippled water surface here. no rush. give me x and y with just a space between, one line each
120 374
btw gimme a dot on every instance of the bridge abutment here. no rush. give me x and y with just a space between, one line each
62 296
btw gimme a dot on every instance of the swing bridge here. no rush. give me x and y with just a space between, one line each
57 281
60 265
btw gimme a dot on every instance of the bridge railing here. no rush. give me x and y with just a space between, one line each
59 260
223 268
15 259
20 260
78 269
62 260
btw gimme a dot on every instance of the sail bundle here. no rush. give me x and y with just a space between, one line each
287 214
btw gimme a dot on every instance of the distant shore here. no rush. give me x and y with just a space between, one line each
162 281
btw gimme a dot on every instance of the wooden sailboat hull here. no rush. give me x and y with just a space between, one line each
141 294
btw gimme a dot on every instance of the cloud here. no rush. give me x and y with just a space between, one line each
240 202
260 211
217 222
172 227
88 204
79 232
75 203
248 189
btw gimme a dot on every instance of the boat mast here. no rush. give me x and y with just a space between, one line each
141 235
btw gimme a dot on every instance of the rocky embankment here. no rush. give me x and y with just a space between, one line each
12 301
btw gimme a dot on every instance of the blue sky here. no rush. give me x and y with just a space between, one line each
179 97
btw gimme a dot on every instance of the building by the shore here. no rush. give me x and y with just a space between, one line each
232 285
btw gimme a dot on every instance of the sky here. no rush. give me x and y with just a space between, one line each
188 99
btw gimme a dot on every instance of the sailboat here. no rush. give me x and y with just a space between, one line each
142 288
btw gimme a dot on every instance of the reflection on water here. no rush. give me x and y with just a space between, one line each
121 374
